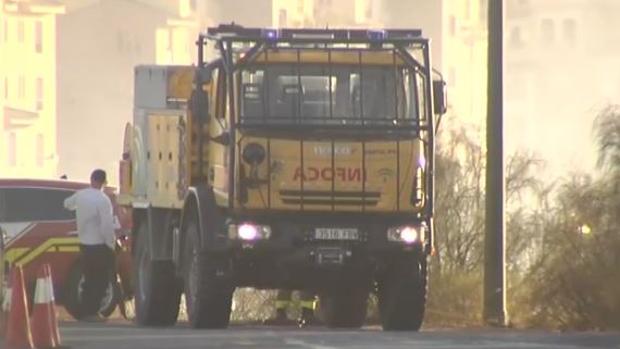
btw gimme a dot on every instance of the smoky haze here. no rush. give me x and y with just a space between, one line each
100 43
559 69
559 75
67 93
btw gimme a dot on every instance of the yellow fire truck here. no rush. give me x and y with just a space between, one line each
297 159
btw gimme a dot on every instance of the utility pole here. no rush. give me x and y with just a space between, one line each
494 240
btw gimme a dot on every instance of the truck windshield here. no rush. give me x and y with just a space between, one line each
305 93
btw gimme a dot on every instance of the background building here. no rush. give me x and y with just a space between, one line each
66 77
66 68
293 13
427 15
457 29
28 79
561 70
464 59
99 44
216 12
256 13
327 13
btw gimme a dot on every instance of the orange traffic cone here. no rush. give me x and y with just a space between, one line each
18 334
44 320
6 304
53 314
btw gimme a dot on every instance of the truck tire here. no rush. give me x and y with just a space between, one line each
402 296
157 293
208 297
344 308
72 294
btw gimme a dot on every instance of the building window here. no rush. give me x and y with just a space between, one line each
547 31
120 42
186 7
22 204
12 149
170 46
369 10
570 31
21 87
452 77
6 30
39 93
6 88
38 36
516 40
483 10
467 9
452 26
282 18
40 150
20 31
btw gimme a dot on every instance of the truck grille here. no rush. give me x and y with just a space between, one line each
341 198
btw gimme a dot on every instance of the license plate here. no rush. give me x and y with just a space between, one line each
330 256
336 234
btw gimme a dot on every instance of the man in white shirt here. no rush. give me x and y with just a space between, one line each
95 225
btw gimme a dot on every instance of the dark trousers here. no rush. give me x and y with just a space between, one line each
98 267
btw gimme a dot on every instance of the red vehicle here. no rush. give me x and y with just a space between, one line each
38 230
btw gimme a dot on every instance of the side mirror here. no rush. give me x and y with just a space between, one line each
223 138
199 100
199 104
440 97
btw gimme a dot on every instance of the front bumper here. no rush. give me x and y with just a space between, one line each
292 256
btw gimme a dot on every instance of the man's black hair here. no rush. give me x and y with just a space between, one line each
98 175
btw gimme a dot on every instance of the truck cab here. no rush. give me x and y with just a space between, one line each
296 159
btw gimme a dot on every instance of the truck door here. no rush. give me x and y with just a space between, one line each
219 148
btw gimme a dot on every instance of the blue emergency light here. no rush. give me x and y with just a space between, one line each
269 34
376 35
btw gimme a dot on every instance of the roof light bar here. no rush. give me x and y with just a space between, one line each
317 36
290 34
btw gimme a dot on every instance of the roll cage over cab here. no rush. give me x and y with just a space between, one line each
297 159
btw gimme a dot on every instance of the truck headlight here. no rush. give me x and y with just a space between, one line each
406 234
248 232
254 154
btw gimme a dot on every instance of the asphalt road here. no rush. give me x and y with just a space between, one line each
127 336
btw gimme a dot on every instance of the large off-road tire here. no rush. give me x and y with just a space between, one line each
402 295
344 308
208 296
157 291
72 294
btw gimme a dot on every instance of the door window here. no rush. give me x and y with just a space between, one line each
34 204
